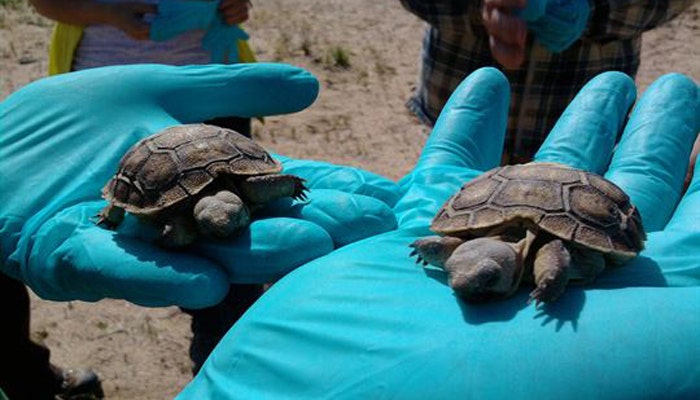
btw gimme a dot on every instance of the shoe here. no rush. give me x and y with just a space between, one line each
80 384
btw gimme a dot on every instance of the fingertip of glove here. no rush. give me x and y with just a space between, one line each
617 80
488 76
676 85
301 84
484 86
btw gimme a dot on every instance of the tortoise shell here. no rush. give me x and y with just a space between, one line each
574 205
179 162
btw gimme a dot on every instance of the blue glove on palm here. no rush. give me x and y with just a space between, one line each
556 23
63 138
366 322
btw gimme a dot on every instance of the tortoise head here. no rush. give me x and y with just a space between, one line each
486 269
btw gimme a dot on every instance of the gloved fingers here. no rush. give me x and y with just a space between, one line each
672 254
470 130
202 92
86 142
73 259
585 134
346 217
467 140
322 175
687 215
186 94
652 156
268 249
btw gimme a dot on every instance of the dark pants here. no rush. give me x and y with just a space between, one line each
25 370
209 325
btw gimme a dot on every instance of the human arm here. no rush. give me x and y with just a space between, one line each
125 16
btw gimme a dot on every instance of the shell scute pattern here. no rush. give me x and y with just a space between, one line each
179 162
571 204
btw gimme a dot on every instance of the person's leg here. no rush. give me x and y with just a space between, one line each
210 324
25 370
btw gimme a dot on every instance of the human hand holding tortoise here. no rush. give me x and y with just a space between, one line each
62 141
378 326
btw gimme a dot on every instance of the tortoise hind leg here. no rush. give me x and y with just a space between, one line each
265 188
586 266
180 231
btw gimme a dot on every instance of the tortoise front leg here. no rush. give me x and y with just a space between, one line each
265 188
551 270
434 250
110 217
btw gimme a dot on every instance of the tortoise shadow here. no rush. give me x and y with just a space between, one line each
480 313
643 272
140 239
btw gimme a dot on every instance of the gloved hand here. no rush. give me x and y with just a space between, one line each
221 40
556 23
365 322
62 139
176 17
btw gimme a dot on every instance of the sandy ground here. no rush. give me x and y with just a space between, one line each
365 54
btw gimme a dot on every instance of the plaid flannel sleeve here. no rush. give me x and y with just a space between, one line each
625 19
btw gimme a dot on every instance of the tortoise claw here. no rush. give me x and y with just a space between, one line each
300 190
102 221
535 295
414 253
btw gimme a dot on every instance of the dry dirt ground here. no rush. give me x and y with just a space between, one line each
365 54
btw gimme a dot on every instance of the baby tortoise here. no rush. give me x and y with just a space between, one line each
539 221
195 179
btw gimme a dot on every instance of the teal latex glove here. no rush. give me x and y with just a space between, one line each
556 24
176 17
62 139
221 41
365 322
